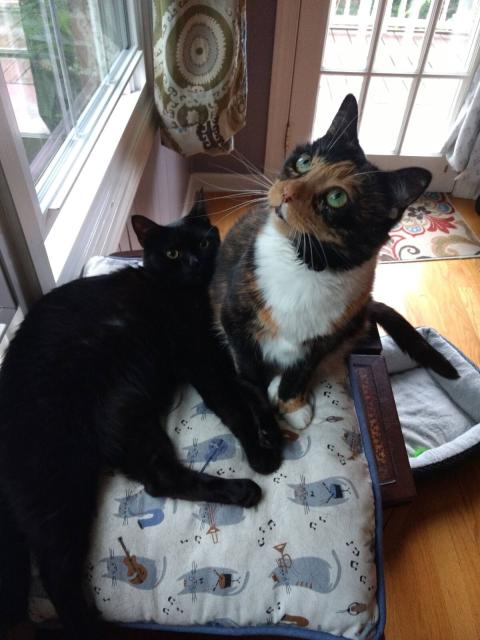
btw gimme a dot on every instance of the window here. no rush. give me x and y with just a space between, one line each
62 61
76 127
408 62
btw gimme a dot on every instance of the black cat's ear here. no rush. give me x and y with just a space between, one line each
142 225
199 210
345 123
406 186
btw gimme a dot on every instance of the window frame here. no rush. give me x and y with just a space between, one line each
116 161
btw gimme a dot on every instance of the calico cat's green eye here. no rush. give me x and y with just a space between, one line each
336 198
204 244
173 254
304 163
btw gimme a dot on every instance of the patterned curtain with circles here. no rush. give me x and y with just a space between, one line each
200 73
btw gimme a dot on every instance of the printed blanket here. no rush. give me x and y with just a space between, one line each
304 562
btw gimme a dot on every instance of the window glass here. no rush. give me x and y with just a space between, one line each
56 58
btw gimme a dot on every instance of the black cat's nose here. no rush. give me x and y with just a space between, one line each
193 261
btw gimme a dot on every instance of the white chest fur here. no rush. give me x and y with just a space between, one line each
304 304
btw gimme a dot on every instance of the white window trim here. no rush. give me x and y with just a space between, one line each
91 219
94 211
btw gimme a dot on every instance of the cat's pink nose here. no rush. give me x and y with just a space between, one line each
289 193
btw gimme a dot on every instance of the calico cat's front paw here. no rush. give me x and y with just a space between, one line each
297 412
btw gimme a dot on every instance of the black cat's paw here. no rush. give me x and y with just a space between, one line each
245 493
265 460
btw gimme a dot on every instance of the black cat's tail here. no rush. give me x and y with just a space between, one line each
14 571
409 340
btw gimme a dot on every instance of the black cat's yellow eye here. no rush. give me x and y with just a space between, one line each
204 243
304 163
336 198
173 254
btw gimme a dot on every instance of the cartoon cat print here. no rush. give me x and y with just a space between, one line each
327 492
221 447
308 572
137 571
218 581
142 504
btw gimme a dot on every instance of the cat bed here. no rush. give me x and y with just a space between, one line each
305 562
440 418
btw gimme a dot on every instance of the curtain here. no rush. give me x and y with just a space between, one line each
462 148
200 73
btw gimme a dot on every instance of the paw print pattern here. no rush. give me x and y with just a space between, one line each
341 458
278 479
184 541
198 539
271 609
264 531
183 423
229 471
261 539
354 565
172 606
354 549
89 572
313 524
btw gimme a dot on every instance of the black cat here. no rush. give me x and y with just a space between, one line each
83 388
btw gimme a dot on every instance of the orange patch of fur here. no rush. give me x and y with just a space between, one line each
321 177
291 405
268 323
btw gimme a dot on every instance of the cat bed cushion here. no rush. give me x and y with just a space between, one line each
305 562
440 418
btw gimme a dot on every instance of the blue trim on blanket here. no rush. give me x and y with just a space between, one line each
264 630
290 630
372 465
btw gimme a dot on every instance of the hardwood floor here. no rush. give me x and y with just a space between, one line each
431 547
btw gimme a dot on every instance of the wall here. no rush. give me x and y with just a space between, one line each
161 192
252 138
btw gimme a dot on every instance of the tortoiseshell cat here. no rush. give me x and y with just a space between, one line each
293 283
83 389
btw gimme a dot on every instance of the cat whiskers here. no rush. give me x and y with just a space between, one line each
227 212
248 164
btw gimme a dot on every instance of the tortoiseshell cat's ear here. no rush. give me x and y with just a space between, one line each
142 225
199 210
344 124
406 186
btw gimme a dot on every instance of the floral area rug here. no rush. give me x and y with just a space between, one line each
431 229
